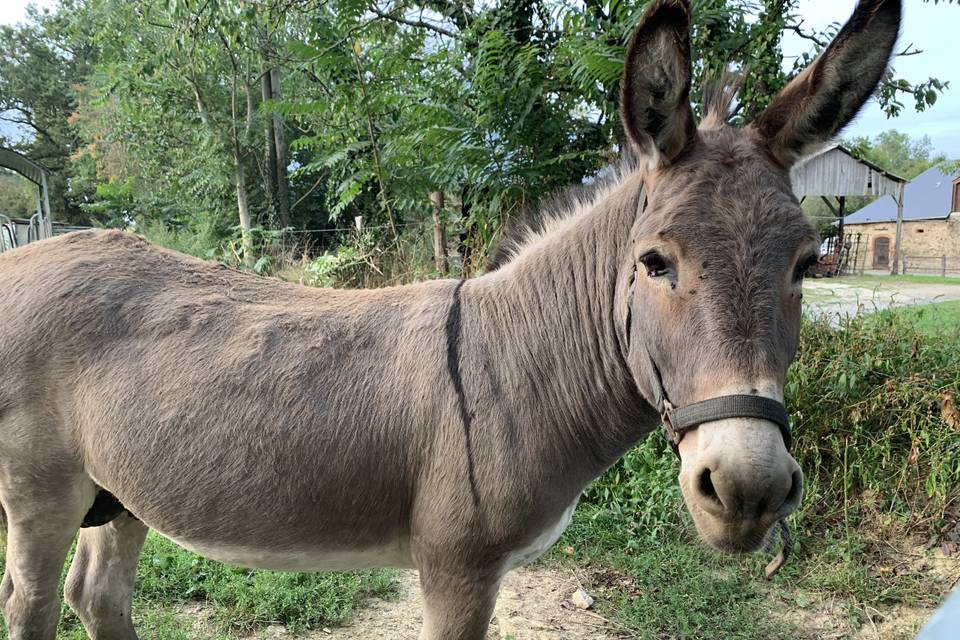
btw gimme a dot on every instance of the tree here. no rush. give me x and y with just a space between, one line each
42 64
173 117
897 152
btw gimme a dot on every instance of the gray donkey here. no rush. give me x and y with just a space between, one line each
448 426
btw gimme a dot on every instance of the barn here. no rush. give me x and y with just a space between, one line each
930 236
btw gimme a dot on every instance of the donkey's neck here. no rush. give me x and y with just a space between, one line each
549 324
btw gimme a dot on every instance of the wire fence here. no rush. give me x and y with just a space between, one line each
942 265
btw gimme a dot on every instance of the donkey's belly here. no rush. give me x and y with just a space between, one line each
543 541
301 559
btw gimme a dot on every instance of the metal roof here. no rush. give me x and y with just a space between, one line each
835 171
22 165
926 197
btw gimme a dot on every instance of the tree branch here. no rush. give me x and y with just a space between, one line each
414 23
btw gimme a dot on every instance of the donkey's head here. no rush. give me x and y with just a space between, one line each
710 294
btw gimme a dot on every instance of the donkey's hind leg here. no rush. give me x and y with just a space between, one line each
42 520
99 586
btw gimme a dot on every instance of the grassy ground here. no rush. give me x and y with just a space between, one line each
937 318
677 588
870 281
242 600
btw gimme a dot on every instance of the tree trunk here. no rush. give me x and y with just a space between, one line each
280 141
246 232
439 233
270 173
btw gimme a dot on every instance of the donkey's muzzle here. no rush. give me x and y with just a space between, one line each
739 480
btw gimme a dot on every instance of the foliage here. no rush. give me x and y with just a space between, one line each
344 266
17 196
41 67
159 110
897 152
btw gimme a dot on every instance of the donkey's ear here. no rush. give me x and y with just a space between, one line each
655 90
827 95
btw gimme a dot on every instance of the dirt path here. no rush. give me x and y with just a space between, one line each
834 297
533 604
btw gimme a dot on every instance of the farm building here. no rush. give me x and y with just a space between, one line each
930 237
835 174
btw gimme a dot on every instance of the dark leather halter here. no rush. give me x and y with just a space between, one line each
678 420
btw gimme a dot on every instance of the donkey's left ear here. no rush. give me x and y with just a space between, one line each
655 89
827 95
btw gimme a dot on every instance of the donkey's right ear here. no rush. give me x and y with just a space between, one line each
655 89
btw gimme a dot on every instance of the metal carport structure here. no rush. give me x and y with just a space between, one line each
40 224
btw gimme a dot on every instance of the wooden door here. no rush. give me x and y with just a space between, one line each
881 253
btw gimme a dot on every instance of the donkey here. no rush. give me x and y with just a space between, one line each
448 426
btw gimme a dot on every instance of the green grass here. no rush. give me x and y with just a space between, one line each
870 281
240 600
668 586
938 318
674 587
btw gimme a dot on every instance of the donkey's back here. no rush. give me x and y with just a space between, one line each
253 421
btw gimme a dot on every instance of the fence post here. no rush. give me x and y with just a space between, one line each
439 232
905 262
358 220
943 266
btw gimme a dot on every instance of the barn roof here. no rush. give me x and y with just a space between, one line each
926 197
836 171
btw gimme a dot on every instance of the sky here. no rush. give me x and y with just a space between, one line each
931 28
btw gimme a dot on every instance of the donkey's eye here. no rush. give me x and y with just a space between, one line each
803 266
655 264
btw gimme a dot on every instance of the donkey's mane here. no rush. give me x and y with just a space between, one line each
568 204
557 211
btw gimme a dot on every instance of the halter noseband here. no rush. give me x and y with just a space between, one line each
678 420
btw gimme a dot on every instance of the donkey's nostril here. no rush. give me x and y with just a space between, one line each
793 496
707 490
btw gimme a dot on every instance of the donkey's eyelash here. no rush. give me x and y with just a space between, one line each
803 265
656 265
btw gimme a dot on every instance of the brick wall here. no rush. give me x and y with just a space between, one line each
923 243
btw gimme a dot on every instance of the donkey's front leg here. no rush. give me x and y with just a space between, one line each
458 600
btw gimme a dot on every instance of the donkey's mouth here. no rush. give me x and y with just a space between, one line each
742 537
737 533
